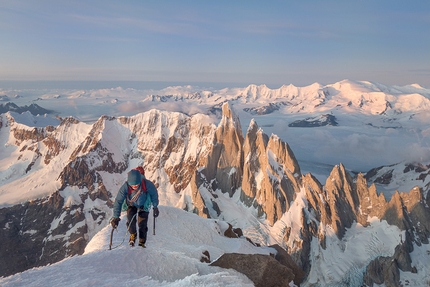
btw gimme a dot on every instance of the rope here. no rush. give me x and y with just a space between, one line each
127 232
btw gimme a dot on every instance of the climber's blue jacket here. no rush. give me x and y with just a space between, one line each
146 199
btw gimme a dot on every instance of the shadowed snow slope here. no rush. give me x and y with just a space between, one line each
172 257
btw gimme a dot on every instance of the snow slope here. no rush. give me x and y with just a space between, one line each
172 257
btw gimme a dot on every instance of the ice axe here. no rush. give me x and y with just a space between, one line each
111 235
153 227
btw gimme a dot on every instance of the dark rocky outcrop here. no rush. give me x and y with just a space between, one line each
385 270
322 120
285 259
38 233
382 270
263 270
206 258
403 258
233 232
264 110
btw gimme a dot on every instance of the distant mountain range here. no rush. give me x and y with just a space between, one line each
68 174
34 109
60 175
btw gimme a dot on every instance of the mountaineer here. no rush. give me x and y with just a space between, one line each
138 195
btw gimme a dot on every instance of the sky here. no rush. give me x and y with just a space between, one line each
250 42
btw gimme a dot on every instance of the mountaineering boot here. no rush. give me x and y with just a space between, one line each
142 243
132 239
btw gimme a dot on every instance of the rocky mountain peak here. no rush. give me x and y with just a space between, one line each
230 120
284 155
271 174
227 153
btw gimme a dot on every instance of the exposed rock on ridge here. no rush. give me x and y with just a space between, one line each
40 232
263 270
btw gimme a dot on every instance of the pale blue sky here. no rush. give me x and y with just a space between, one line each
254 42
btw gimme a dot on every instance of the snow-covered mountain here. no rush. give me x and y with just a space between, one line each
176 255
60 175
376 124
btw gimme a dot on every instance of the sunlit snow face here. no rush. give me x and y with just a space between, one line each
364 139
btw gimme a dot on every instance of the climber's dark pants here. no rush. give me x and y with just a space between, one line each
142 222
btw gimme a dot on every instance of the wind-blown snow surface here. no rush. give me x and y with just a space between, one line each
172 257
